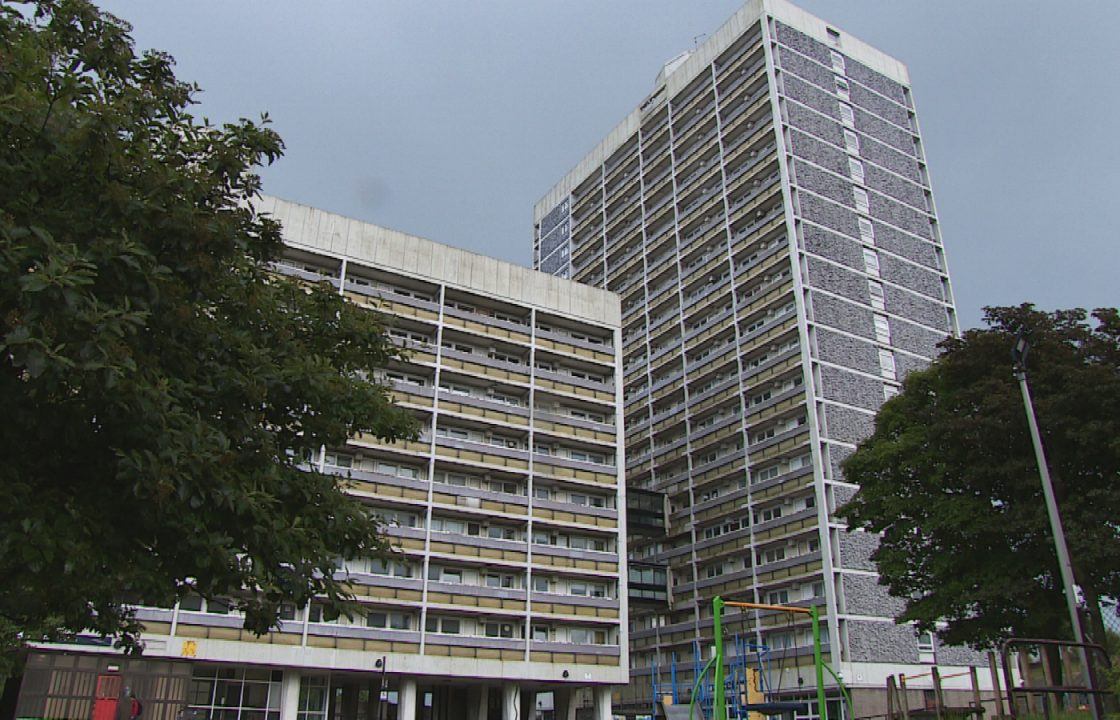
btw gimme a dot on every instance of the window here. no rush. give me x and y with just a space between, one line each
765 474
851 142
587 636
889 391
871 262
542 633
855 169
833 36
768 514
842 88
444 625
878 299
886 365
863 202
387 620
541 584
497 629
847 115
447 575
506 357
926 648
772 555
777 597
837 61
494 580
866 231
882 329
378 566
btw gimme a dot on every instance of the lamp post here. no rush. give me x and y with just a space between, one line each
1019 365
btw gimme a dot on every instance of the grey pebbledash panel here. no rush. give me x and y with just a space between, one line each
842 494
917 308
902 190
856 548
912 248
899 215
850 388
557 261
879 129
815 123
806 69
812 178
960 655
847 351
915 278
879 83
906 364
835 247
554 217
865 596
882 642
808 147
879 105
832 216
842 315
915 339
803 44
848 425
838 280
800 91
882 154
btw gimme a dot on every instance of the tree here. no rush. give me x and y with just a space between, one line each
160 388
949 479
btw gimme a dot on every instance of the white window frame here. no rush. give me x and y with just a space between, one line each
871 262
851 141
862 199
866 230
847 115
855 169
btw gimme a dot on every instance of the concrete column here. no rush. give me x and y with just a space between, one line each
406 700
511 702
564 703
602 702
478 702
289 695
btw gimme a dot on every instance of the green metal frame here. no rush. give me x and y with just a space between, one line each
719 704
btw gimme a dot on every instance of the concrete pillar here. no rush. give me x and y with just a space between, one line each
602 702
406 700
564 703
511 702
478 702
289 695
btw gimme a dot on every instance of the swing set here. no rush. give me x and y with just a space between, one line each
719 704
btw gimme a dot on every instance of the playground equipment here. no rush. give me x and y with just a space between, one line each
719 702
1078 663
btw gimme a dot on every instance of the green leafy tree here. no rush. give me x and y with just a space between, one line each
949 479
159 387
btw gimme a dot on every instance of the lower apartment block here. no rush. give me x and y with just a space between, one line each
505 598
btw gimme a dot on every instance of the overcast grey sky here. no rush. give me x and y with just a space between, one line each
449 119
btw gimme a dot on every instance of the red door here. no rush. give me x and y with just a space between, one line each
106 697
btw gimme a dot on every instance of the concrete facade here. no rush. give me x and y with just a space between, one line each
506 597
767 218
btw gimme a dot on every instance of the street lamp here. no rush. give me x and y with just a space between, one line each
1019 352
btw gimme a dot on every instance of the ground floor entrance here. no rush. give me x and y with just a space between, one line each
98 686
